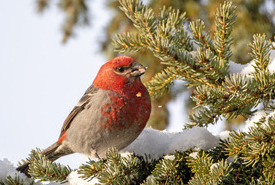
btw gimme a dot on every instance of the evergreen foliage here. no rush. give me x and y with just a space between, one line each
14 181
207 172
192 54
43 169
116 169
257 148
216 92
254 16
171 169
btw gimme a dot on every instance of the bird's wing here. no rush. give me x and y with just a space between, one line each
78 108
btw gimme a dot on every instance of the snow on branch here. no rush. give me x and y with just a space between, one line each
155 143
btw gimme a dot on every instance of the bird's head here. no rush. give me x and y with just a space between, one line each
119 73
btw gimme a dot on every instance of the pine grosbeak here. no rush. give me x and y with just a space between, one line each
112 113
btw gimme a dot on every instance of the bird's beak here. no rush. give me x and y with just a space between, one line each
137 69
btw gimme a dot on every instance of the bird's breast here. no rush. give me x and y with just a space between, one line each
125 112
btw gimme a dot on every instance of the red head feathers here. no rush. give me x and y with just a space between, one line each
119 74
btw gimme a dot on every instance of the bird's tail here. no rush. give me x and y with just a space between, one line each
24 168
53 152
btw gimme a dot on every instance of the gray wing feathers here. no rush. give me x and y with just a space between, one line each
78 108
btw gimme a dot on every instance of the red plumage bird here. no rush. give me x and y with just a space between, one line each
112 113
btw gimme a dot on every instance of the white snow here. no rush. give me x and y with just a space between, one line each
155 143
249 68
75 179
271 66
224 134
169 157
235 67
194 155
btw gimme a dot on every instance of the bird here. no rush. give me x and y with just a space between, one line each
111 114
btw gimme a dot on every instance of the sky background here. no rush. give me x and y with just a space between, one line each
42 79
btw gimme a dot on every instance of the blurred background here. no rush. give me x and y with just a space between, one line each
51 50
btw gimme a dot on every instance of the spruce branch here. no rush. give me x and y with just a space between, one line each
165 169
117 169
214 55
238 95
170 20
14 181
260 52
257 145
216 92
202 117
171 170
130 42
166 36
207 172
225 18
167 39
158 33
200 166
265 89
162 80
91 169
43 169
200 36
229 100
219 152
142 16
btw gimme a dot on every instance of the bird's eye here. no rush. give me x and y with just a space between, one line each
120 69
